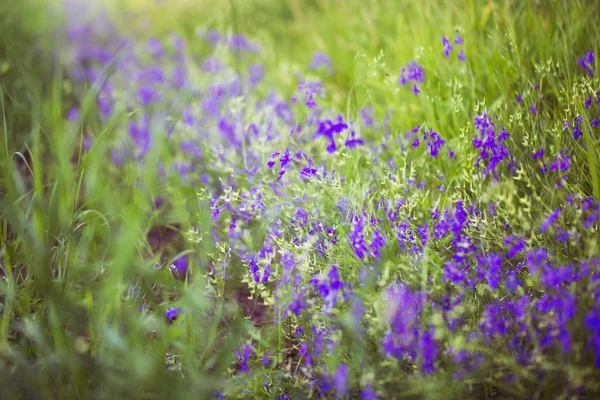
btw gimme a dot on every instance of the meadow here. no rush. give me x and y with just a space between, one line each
298 199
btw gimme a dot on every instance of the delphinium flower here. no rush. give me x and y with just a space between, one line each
592 324
428 347
353 141
433 139
455 273
329 128
309 90
512 281
434 142
243 355
366 114
556 309
255 74
140 134
309 170
285 159
498 319
516 245
538 154
211 65
577 131
536 260
402 313
490 145
561 164
254 269
412 72
340 380
368 393
490 267
467 361
533 109
492 209
377 243
119 155
299 303
550 220
155 48
321 59
329 287
591 210
180 265
461 242
72 114
586 61
241 43
448 48
171 314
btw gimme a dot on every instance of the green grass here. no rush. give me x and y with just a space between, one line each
74 227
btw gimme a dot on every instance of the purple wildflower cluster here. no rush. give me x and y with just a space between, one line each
448 48
490 144
401 261
586 62
412 72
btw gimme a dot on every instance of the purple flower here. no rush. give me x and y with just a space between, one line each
447 47
459 40
453 272
429 351
240 42
512 282
321 59
489 267
561 163
413 72
592 323
147 95
538 154
435 143
73 114
180 264
416 90
536 259
213 37
461 55
298 303
328 128
586 61
357 238
255 74
340 380
491 148
352 141
517 245
402 314
368 393
243 355
171 314
155 48
377 242
550 220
